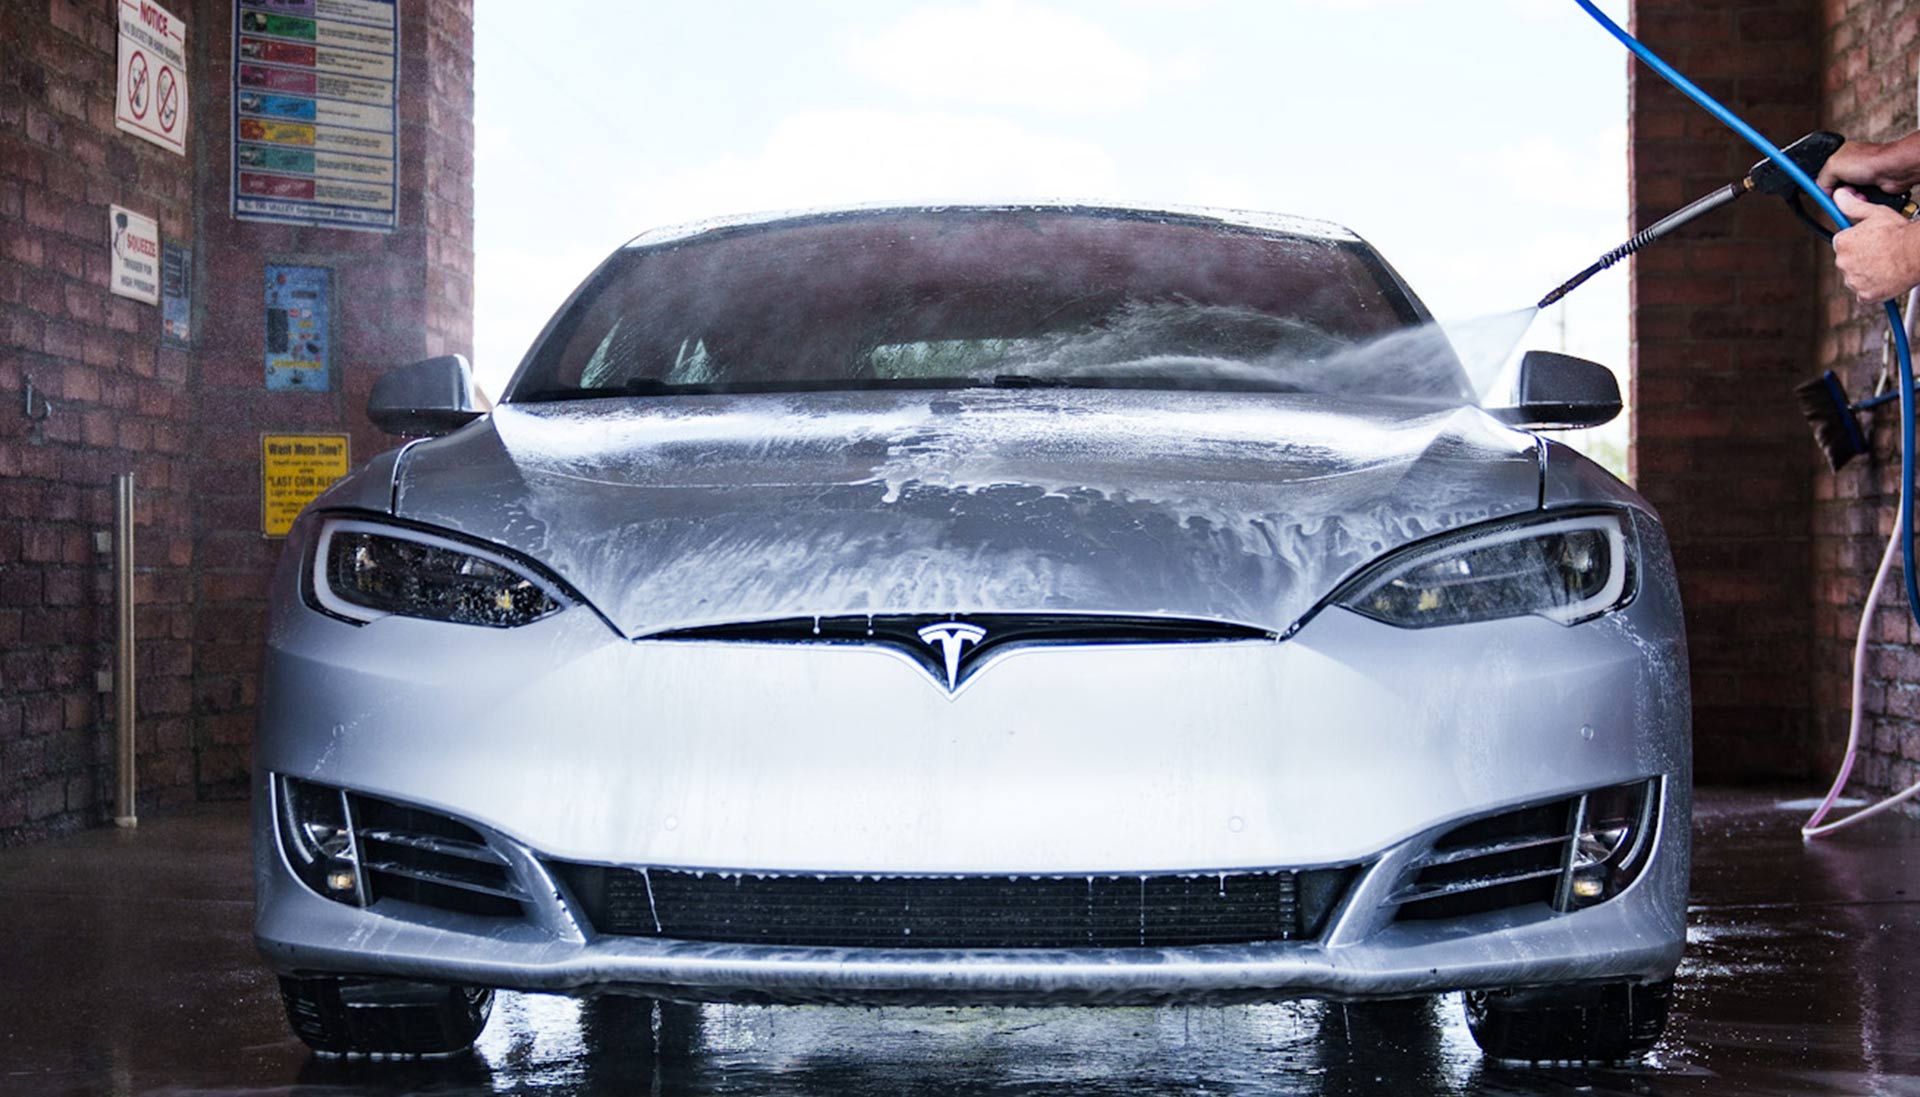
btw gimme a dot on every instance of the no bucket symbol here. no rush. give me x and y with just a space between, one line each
169 98
137 84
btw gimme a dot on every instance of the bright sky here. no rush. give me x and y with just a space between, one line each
1479 144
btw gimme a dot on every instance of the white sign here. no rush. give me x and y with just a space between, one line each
152 98
136 255
315 112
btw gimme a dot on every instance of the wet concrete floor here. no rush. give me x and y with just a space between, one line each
126 967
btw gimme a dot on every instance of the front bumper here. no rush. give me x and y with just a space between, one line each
1350 743
1635 937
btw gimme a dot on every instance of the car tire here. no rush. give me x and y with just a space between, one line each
1592 1023
385 1019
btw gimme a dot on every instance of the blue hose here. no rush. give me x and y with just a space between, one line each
1902 351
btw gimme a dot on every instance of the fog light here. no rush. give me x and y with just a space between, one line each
1612 844
318 842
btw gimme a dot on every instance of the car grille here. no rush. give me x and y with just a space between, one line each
998 634
1086 911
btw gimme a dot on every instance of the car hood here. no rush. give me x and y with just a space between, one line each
677 512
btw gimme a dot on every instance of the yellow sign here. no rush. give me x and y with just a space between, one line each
294 470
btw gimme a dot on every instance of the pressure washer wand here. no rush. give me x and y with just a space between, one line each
1697 208
1810 154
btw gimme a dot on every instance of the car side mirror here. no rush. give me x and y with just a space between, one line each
1561 392
432 396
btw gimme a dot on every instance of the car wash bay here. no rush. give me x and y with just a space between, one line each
131 969
228 378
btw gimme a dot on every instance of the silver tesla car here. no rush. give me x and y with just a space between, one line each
980 605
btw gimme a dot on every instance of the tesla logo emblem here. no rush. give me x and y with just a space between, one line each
952 637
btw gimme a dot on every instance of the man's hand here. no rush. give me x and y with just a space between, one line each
1880 255
1894 167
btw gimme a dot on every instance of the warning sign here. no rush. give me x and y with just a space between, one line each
136 254
152 98
294 470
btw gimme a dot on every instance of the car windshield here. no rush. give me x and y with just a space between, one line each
1010 298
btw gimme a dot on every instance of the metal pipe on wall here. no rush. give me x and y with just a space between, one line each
125 785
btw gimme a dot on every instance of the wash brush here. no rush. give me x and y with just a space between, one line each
1835 421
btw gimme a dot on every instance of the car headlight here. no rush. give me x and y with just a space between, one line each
1566 568
363 571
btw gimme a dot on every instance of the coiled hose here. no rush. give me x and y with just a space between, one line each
1903 354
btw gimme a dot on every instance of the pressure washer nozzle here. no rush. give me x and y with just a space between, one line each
1836 426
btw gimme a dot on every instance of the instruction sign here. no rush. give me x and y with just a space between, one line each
294 470
297 330
136 255
315 127
176 295
150 100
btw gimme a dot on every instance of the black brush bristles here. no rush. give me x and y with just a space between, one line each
1835 426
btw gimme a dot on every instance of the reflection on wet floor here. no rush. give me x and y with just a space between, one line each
130 970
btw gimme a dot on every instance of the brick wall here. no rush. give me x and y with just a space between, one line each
1871 47
187 423
121 404
1723 326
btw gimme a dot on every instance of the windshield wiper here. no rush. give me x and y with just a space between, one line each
1030 381
634 386
1156 382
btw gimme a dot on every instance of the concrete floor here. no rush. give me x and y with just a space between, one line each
128 969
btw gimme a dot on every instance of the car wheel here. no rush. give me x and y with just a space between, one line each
1594 1023
382 1018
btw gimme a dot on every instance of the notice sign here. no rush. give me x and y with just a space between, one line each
297 333
136 255
315 132
151 96
294 470
176 295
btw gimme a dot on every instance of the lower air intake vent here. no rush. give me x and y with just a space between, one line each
959 911
432 860
362 849
1565 854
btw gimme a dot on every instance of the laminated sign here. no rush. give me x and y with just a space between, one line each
297 329
176 295
136 255
294 470
315 137
151 96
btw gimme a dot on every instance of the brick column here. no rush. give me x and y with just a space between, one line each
397 297
1724 318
